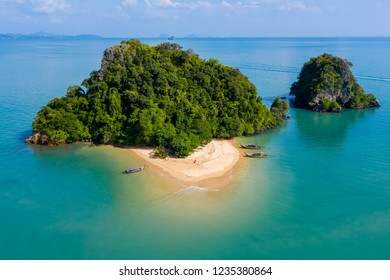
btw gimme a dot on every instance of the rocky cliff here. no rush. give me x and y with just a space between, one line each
327 84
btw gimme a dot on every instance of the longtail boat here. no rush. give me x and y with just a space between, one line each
256 155
251 146
133 170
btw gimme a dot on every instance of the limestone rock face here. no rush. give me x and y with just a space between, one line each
42 139
117 55
327 84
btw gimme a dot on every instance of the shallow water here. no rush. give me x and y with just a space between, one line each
324 192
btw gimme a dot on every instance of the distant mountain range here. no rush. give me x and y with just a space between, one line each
45 35
167 36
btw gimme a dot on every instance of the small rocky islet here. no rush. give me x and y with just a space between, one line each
327 84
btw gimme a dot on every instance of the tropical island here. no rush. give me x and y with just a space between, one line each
326 84
156 96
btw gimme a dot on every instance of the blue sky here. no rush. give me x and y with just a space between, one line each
224 18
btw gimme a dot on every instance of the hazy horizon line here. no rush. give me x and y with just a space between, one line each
43 34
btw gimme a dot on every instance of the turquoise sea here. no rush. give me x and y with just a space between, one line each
324 192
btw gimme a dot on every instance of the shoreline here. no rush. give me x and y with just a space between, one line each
207 163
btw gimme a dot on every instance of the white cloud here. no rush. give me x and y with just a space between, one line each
226 4
254 4
297 5
166 3
42 6
148 4
201 4
189 5
270 2
177 9
14 1
49 6
129 2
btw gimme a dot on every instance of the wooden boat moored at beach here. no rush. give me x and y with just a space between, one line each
256 155
251 146
133 170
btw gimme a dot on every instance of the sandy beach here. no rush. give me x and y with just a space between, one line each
215 159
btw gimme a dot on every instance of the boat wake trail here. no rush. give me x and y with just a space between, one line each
270 68
294 70
370 78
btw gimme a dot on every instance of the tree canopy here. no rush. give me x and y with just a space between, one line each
160 96
326 83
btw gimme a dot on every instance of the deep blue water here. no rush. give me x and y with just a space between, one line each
324 193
